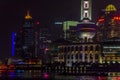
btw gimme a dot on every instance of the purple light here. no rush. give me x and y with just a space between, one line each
46 75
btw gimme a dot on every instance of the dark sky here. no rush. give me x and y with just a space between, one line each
12 13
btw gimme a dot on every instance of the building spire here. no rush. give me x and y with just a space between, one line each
28 16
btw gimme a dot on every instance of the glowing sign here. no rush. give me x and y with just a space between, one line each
116 18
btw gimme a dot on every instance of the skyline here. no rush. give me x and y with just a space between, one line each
13 12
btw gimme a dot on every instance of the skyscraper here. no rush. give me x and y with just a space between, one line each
28 37
86 29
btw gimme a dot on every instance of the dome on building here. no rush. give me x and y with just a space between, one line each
110 7
86 30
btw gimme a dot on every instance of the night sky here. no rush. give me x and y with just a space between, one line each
12 14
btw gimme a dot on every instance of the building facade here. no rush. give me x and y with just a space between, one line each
83 48
28 37
111 51
79 53
108 34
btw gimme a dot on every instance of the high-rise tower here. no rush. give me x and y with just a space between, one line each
86 29
28 37
86 9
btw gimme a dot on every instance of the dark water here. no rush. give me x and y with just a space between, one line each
38 75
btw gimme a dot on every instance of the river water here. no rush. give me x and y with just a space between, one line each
38 75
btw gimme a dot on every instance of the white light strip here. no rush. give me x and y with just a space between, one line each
111 47
111 52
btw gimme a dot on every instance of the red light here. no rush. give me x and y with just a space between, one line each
46 49
101 20
117 78
116 18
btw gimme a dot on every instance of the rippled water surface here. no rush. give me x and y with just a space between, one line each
38 75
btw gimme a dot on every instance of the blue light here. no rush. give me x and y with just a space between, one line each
13 43
58 22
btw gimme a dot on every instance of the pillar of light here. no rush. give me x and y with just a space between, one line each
13 43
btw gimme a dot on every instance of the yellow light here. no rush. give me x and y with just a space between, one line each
111 7
28 15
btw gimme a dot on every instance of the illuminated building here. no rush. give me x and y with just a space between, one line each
86 31
44 41
111 51
82 47
58 32
18 45
67 26
79 53
108 34
86 15
83 29
86 28
106 24
28 37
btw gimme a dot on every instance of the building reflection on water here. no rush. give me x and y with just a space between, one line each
38 75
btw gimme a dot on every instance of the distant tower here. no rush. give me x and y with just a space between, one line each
28 36
86 29
86 9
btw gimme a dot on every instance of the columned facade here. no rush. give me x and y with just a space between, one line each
77 53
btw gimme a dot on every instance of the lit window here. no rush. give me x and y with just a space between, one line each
85 13
86 5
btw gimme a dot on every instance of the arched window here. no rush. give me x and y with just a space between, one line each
65 49
71 56
76 48
96 56
80 56
91 48
76 56
61 49
85 56
68 56
81 48
86 48
97 48
72 48
90 56
68 48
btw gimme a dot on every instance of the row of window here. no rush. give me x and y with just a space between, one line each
79 48
79 56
